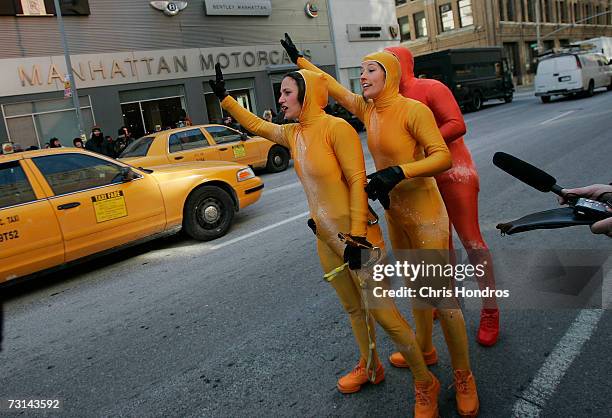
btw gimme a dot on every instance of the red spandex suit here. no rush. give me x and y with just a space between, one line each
459 186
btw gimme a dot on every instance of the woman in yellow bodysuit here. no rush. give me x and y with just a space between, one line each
330 165
408 150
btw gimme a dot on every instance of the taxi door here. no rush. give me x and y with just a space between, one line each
231 146
96 207
191 145
30 236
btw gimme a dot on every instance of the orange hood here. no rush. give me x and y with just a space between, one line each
315 96
392 80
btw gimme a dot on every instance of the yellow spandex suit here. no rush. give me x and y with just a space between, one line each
403 132
330 165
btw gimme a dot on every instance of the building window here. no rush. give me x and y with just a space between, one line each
420 25
43 7
400 2
549 11
501 7
446 17
404 27
465 13
150 110
243 90
530 11
562 12
510 11
354 74
34 123
576 13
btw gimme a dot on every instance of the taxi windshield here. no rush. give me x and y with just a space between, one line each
138 148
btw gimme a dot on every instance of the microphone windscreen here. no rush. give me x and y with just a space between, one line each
525 172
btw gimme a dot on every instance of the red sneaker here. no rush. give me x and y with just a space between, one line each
397 359
353 381
488 331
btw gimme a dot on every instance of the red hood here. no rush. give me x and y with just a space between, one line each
406 60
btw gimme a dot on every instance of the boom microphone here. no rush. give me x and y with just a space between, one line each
525 172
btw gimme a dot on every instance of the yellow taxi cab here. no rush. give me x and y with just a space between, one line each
206 143
60 205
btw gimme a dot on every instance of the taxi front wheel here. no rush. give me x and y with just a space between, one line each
208 213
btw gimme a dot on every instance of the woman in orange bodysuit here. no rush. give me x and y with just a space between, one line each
408 150
458 186
330 165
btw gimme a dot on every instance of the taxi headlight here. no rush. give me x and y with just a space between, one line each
245 174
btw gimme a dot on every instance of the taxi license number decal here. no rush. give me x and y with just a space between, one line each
239 151
109 206
7 236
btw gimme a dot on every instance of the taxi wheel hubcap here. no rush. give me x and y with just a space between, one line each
278 160
210 213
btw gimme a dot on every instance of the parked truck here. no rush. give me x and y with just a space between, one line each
474 75
602 45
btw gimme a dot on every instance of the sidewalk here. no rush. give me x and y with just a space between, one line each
525 90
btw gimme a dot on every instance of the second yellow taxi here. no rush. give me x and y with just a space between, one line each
206 143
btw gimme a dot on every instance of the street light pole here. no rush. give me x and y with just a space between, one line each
538 37
73 87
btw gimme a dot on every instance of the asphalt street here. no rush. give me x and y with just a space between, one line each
245 325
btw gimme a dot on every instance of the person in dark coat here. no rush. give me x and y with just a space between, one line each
97 142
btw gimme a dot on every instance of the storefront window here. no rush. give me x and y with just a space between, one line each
34 123
151 110
241 90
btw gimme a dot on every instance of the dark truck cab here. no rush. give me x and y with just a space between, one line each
474 75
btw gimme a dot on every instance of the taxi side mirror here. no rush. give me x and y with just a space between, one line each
127 174
243 136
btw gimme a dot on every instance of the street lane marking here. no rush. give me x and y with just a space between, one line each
557 117
259 231
545 382
281 188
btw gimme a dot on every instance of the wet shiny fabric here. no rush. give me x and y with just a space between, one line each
459 186
329 162
403 132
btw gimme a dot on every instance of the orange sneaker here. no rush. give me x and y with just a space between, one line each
426 394
353 381
488 330
466 396
397 360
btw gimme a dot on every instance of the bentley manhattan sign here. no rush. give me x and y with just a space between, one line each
238 7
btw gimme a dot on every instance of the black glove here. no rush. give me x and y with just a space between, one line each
291 49
312 225
218 86
352 252
382 182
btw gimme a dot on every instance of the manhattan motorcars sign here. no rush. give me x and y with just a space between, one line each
238 7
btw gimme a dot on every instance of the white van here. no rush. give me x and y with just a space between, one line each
571 73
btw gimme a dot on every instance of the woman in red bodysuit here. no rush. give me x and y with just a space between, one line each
459 187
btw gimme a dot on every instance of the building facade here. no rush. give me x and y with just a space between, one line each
145 68
360 27
434 25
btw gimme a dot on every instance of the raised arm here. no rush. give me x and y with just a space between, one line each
352 102
347 148
268 130
446 111
421 124
273 132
